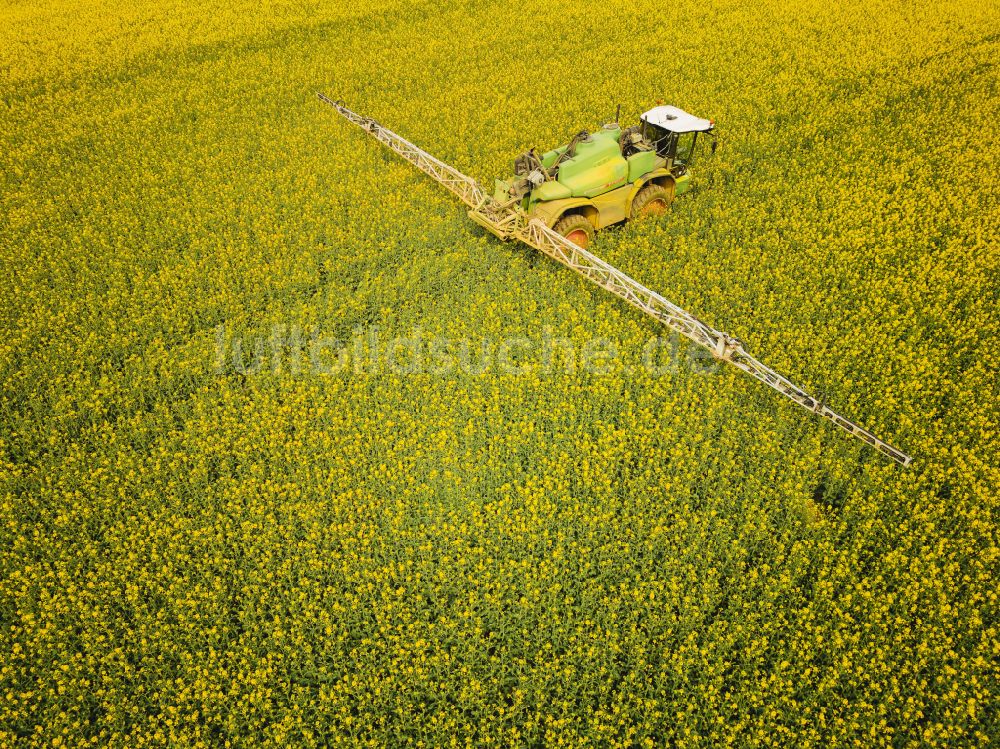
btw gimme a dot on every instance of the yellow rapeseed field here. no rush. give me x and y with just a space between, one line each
221 527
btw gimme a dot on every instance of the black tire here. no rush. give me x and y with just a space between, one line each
652 200
576 228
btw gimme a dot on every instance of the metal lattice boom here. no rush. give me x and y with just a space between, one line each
509 222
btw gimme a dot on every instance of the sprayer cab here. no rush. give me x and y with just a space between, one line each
674 134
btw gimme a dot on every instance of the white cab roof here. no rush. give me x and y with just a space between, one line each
676 120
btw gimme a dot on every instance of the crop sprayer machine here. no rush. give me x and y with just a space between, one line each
556 201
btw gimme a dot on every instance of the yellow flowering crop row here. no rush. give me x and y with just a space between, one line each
237 510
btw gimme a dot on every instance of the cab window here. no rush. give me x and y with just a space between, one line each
685 147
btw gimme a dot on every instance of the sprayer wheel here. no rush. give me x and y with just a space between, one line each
576 228
652 200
